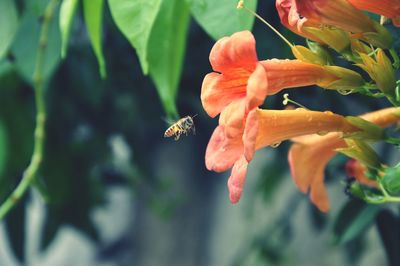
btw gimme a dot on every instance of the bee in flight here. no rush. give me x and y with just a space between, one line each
182 126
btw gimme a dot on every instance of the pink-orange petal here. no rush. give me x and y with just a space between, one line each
250 135
222 152
218 90
237 179
257 88
308 162
236 51
319 195
233 117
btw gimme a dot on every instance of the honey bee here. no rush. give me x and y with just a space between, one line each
182 126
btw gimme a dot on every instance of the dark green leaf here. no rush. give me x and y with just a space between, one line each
93 12
135 20
19 131
166 51
8 25
26 43
221 18
355 217
389 230
15 229
67 13
3 147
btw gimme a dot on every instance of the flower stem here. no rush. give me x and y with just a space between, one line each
396 59
39 134
241 5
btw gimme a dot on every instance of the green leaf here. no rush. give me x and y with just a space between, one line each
391 180
135 20
221 18
67 13
389 231
3 147
15 229
25 45
19 132
9 25
355 217
93 13
166 50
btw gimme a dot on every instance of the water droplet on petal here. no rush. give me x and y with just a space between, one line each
345 92
276 145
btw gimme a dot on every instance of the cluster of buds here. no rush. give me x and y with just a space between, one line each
241 83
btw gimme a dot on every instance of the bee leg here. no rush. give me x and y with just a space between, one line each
177 136
194 130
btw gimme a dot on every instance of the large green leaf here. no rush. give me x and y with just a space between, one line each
355 217
25 45
135 20
3 147
93 12
221 18
166 51
389 231
15 229
67 13
8 25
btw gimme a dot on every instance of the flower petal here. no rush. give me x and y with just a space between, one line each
295 73
358 171
319 196
233 117
307 162
218 90
257 88
237 179
222 152
267 127
236 51
387 8
338 13
250 135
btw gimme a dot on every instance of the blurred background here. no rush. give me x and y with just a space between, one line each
118 193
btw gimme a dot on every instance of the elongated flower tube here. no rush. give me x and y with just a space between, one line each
335 38
340 14
387 8
239 75
309 155
266 127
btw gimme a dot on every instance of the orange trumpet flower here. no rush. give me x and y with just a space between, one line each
307 18
239 75
387 8
309 155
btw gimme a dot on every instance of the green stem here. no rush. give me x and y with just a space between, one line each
392 100
39 133
395 57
